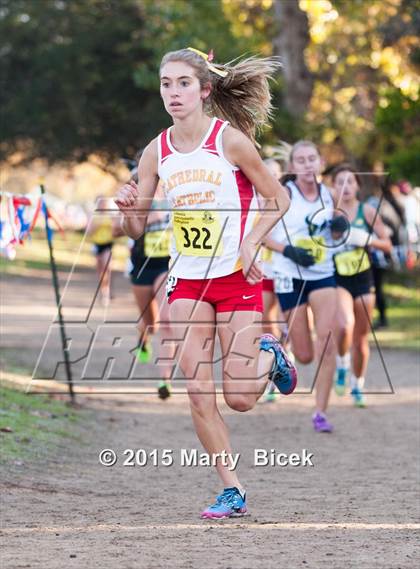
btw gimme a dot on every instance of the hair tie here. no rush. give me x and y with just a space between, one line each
208 58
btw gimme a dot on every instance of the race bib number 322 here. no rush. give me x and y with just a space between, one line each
197 233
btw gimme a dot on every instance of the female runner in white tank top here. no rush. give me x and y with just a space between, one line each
304 271
209 170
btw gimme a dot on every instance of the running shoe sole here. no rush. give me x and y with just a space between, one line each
211 516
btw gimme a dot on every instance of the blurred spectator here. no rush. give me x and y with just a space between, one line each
392 211
411 201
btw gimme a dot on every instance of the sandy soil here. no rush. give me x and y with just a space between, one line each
356 507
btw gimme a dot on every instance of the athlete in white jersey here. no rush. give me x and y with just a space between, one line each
306 225
209 170
304 271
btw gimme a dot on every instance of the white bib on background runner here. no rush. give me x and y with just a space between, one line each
213 204
306 224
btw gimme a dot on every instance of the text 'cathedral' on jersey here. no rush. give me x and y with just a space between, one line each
214 206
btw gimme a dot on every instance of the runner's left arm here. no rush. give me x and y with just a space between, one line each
241 152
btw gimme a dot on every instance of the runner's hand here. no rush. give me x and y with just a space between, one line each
299 255
339 225
126 198
251 268
358 237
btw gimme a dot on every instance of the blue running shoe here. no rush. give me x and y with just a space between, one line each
230 504
340 381
358 397
283 373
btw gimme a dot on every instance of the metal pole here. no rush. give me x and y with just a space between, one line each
58 303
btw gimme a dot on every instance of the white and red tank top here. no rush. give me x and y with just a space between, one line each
213 204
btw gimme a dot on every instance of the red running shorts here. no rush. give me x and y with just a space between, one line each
226 294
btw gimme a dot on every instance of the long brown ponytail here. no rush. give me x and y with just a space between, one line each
240 89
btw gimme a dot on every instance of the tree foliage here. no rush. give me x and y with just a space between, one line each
80 76
68 67
397 122
359 51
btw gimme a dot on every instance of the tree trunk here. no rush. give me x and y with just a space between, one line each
291 39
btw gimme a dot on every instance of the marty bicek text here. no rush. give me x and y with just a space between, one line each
194 458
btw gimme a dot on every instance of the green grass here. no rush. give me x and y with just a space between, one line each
39 425
403 313
16 266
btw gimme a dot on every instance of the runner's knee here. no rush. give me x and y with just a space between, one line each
345 325
201 397
304 356
239 402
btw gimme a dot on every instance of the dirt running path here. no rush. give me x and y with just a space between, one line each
356 507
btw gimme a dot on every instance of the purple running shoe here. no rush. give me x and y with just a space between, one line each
321 423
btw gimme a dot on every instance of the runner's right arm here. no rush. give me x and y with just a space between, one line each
135 202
